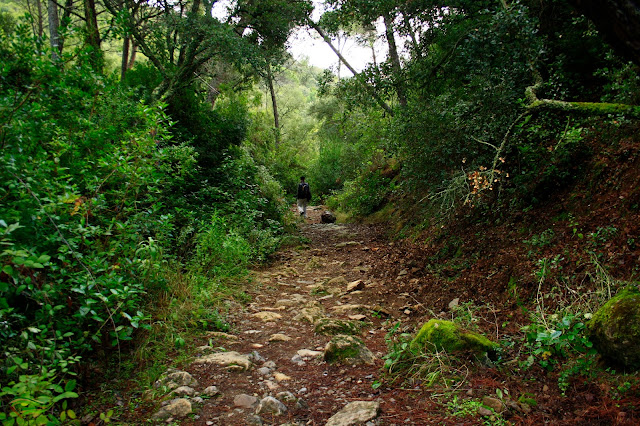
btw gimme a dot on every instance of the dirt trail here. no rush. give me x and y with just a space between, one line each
337 254
274 350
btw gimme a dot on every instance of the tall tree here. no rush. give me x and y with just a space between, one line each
54 26
92 34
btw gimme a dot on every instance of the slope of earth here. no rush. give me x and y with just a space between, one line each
354 273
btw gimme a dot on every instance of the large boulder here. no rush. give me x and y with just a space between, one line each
441 335
614 329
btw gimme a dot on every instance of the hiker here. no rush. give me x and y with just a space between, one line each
304 196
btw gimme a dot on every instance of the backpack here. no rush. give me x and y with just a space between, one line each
304 191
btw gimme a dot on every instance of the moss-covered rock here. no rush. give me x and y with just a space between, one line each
347 350
333 326
441 335
615 329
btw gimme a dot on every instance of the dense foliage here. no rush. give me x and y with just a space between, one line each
120 204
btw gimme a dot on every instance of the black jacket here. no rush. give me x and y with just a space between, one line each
301 191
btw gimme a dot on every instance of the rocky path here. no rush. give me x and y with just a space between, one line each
306 351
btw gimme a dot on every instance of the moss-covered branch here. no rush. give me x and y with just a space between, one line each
587 108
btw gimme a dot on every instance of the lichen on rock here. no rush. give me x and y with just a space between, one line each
333 326
614 329
348 350
441 335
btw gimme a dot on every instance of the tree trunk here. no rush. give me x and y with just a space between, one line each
93 34
274 103
54 25
395 60
369 89
40 18
124 61
64 22
618 21
132 58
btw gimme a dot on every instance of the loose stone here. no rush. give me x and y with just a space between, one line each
270 405
244 400
355 413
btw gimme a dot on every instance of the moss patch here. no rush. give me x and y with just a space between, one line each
441 335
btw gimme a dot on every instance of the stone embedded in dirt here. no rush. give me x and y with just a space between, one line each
272 386
347 244
348 350
286 396
484 412
232 360
455 302
292 300
267 316
337 281
333 326
270 405
204 348
314 263
256 357
297 360
343 309
312 312
179 407
174 379
211 391
308 353
269 364
355 413
184 391
280 377
494 403
245 401
614 329
222 336
327 217
355 285
379 310
279 338
264 371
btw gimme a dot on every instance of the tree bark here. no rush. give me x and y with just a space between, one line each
40 19
124 61
395 60
54 25
618 21
132 57
274 104
369 89
93 34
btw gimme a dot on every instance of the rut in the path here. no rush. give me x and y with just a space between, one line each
271 370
